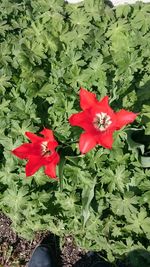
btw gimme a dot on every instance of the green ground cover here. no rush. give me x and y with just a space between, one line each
48 50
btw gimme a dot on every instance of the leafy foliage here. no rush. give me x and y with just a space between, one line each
48 49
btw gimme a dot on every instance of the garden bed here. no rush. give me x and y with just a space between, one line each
17 251
74 100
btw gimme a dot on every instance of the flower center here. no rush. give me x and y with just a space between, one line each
45 149
102 121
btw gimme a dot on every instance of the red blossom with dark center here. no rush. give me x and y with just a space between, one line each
99 121
40 152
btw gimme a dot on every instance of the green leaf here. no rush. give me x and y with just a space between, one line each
94 8
116 180
125 205
87 196
132 144
139 222
61 169
145 161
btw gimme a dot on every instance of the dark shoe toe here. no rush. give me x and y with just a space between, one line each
41 257
101 264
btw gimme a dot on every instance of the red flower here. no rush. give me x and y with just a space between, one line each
41 152
99 121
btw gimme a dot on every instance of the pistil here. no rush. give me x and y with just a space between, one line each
45 149
102 121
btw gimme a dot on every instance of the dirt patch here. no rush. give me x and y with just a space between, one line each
16 251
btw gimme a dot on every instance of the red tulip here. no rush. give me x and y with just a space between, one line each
40 152
99 121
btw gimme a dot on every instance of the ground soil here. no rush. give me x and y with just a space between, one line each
16 251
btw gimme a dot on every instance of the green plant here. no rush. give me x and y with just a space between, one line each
48 50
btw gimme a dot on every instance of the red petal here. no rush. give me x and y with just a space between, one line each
50 169
56 158
26 150
123 117
87 99
104 106
33 137
104 101
52 145
23 151
33 165
82 119
48 134
86 142
105 139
